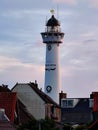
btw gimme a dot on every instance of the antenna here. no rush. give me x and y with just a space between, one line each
45 23
46 20
57 11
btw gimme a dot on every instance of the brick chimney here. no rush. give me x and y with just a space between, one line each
61 96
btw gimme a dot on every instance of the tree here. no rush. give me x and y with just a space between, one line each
80 127
30 125
67 127
47 124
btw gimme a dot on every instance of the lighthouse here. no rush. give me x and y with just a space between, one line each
52 37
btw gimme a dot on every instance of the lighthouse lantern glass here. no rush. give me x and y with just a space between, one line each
53 29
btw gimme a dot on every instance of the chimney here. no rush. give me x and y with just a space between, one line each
36 85
61 96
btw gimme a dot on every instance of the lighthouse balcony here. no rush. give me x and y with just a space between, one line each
52 38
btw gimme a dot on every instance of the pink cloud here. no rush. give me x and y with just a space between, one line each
13 70
94 3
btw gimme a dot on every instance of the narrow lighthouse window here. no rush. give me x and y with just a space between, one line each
49 47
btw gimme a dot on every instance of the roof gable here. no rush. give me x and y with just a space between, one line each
45 97
22 112
39 92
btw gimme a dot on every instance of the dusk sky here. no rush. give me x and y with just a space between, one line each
22 53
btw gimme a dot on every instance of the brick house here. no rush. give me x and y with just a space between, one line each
76 110
8 102
5 123
94 97
35 102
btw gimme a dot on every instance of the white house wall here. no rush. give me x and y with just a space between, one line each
35 105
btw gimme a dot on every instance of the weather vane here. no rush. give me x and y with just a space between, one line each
52 11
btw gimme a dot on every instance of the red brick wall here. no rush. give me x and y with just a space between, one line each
8 102
95 97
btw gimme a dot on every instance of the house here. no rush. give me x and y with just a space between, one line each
5 123
22 115
76 110
36 103
8 102
94 125
94 98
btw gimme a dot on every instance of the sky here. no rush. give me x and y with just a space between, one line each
22 53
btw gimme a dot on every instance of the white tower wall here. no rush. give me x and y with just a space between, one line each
52 71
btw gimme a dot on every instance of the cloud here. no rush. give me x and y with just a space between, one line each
89 41
8 62
25 52
94 3
66 1
80 80
25 4
79 66
88 34
13 70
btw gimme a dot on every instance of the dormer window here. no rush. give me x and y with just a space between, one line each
68 103
91 103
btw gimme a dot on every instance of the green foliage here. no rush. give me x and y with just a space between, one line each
46 124
67 127
30 125
80 127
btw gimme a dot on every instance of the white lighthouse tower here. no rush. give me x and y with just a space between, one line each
52 37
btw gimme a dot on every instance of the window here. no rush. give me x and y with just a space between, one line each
91 103
67 103
70 103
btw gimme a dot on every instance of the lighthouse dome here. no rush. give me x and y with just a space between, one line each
53 22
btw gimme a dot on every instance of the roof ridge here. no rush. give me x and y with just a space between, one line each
44 96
